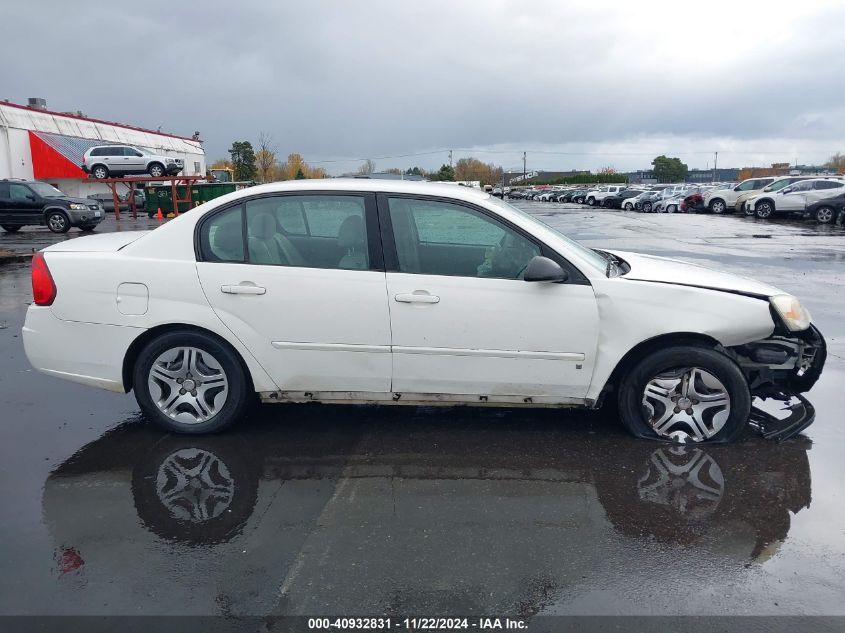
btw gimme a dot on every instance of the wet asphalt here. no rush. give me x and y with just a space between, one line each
322 510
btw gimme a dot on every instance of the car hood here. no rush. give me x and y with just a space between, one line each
103 243
674 271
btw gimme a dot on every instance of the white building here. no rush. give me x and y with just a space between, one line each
37 144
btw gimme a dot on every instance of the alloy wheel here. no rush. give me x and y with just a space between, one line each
824 215
686 405
57 222
717 207
188 385
763 210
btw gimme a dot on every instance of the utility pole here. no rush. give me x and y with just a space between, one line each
450 158
523 167
715 165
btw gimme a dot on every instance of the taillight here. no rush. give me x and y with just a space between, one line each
43 286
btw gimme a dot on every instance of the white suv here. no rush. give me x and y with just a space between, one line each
723 200
794 198
104 161
595 196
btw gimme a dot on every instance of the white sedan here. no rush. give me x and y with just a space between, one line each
368 291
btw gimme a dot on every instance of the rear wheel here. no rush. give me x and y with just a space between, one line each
100 171
58 222
10 229
685 394
647 207
591 201
671 208
190 382
825 215
87 229
628 206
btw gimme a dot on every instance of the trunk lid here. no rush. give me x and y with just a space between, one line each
103 243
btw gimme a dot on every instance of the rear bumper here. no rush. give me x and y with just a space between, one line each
88 353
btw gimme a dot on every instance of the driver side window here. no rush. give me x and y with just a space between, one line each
440 238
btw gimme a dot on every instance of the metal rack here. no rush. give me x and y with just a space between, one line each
129 181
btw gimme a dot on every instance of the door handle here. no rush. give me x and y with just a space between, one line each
243 289
414 297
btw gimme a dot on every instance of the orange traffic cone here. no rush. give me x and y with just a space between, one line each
159 216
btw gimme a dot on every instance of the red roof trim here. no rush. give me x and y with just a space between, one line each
102 121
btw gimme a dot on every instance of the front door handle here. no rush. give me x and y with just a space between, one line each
416 297
243 289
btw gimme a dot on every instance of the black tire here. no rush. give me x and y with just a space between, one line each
10 229
718 206
749 210
237 400
825 215
156 170
647 207
628 206
100 171
591 201
764 210
58 222
87 229
633 412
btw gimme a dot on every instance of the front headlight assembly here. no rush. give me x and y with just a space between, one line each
75 205
793 314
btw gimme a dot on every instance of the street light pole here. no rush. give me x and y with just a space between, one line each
523 167
715 165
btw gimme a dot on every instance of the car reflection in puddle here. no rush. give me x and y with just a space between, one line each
381 510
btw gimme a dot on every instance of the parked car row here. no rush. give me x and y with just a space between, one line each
821 198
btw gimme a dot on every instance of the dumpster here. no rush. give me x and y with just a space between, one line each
161 196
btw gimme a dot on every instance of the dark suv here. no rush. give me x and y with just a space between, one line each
24 203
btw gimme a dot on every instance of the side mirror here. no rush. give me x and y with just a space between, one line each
30 196
786 190
543 269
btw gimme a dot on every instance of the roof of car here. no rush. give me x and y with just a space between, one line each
375 185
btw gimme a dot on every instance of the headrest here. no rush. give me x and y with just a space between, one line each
351 232
262 226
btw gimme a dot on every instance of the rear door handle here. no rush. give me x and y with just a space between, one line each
413 297
243 289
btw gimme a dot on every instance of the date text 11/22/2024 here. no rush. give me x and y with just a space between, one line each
421 623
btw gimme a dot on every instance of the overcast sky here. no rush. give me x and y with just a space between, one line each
575 86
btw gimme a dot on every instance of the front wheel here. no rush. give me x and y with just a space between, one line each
189 382
685 394
647 207
763 210
825 215
718 206
58 222
156 170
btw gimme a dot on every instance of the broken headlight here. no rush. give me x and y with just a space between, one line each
793 314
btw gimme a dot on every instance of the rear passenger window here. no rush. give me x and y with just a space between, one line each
309 231
826 184
222 238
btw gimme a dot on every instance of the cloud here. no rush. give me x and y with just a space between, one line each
379 78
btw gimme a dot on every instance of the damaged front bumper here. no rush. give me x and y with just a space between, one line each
782 368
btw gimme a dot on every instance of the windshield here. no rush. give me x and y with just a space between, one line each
594 258
46 191
777 185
